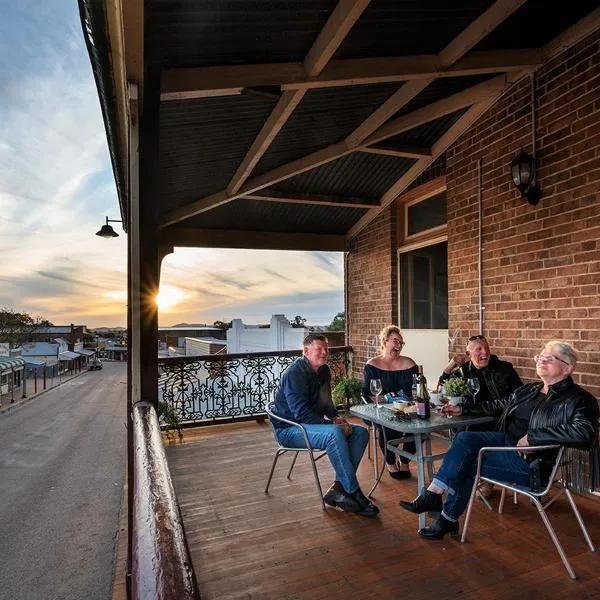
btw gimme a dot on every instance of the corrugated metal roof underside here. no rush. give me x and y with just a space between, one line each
442 88
214 32
408 27
534 24
254 215
357 175
203 142
427 134
324 117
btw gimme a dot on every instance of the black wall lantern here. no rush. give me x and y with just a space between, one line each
522 172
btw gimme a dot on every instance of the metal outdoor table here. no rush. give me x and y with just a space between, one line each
419 430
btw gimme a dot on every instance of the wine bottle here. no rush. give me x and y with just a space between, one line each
422 401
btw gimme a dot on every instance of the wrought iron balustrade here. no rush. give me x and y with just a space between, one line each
224 387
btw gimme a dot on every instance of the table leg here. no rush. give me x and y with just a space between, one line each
429 462
379 473
420 472
375 452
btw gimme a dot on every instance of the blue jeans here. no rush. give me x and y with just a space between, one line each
344 452
457 473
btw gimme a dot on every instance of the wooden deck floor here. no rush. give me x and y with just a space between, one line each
283 546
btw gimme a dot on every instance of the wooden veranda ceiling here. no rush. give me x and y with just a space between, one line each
199 199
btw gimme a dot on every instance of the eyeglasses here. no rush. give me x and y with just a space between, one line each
476 337
548 359
399 342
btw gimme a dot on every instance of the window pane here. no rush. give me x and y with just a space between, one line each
426 214
424 288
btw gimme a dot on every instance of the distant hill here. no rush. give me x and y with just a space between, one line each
106 329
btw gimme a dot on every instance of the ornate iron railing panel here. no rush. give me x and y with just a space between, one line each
214 388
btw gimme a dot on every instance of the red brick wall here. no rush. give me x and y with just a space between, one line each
541 265
371 284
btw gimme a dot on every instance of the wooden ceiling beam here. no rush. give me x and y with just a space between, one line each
192 82
574 34
331 36
318 199
438 148
477 30
400 152
255 240
316 159
468 97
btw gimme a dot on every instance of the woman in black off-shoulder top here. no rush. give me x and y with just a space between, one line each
396 373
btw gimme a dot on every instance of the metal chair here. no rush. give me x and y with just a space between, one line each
535 497
282 450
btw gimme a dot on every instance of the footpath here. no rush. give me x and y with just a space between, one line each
8 405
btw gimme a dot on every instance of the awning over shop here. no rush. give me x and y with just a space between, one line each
85 352
34 362
7 363
67 355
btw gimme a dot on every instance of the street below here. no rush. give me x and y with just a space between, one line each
62 467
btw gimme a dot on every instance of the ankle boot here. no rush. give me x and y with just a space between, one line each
426 501
439 528
367 508
336 496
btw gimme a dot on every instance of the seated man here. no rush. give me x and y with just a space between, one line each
555 411
497 378
304 397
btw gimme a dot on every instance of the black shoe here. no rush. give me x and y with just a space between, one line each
400 474
337 497
426 501
367 508
439 528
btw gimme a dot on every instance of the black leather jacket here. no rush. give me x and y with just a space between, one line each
498 380
568 415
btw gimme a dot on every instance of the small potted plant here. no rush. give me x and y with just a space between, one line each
456 389
346 392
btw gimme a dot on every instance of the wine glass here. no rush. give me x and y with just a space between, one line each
375 387
473 385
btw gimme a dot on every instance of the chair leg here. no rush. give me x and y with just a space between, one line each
584 530
463 538
277 455
501 505
484 500
289 475
316 474
554 537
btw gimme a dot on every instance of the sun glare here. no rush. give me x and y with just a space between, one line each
167 297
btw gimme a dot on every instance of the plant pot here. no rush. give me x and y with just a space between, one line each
456 400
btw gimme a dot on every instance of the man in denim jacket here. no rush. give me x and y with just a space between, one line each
304 396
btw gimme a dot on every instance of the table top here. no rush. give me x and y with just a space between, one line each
436 422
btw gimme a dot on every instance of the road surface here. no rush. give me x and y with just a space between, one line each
62 464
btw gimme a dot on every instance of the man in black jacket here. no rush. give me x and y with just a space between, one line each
497 378
555 411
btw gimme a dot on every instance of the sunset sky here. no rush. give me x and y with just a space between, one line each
56 187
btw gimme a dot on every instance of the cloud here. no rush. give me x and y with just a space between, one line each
56 181
56 187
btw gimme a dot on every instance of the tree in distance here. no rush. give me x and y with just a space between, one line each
338 323
15 327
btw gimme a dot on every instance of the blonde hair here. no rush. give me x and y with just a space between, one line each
385 333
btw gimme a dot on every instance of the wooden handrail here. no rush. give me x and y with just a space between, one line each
161 568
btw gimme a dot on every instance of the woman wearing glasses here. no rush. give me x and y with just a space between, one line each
553 411
395 372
